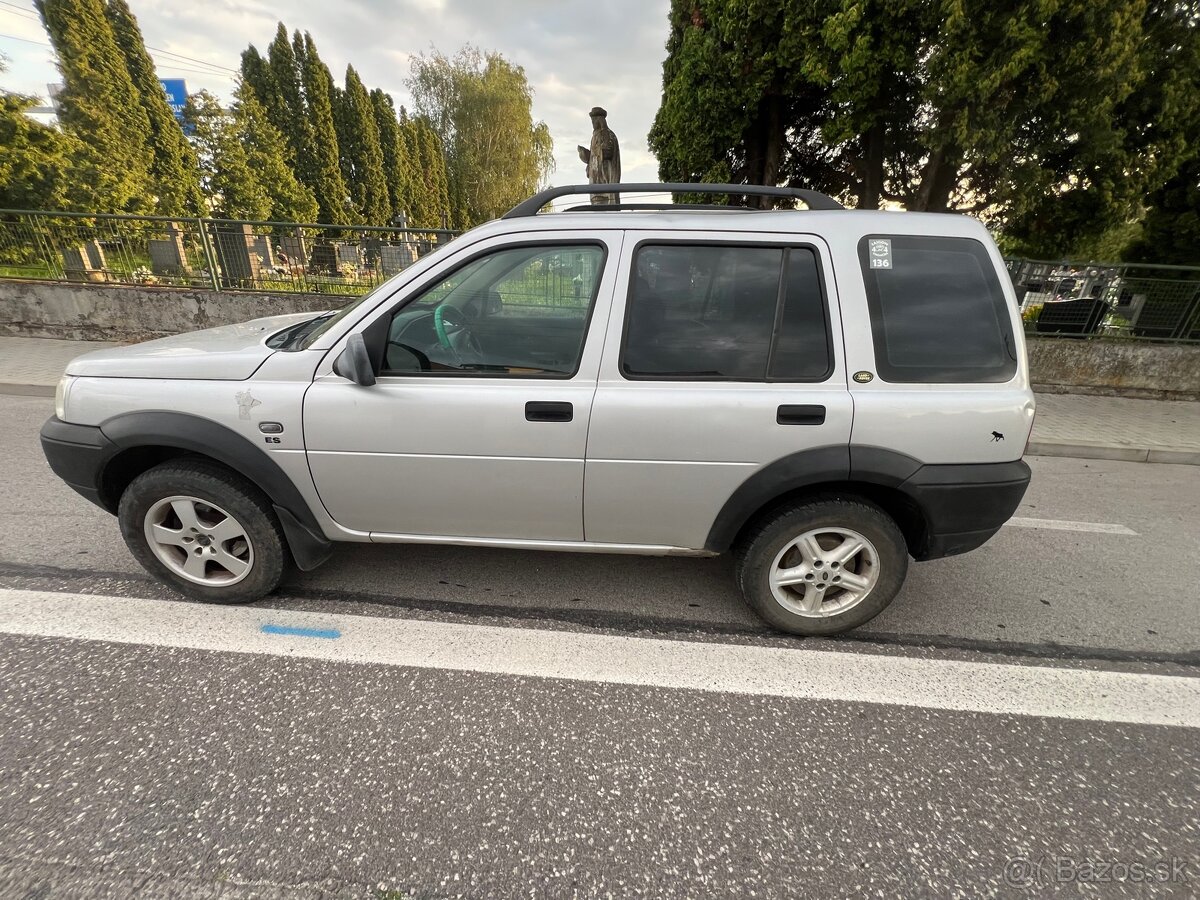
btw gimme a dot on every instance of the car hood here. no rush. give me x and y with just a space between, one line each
225 353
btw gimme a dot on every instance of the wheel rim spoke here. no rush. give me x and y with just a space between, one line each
230 563
853 582
169 536
195 565
809 549
811 601
794 575
226 531
186 511
846 551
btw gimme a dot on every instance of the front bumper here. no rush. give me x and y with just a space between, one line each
77 454
965 505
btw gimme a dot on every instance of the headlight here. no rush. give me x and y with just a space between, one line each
61 393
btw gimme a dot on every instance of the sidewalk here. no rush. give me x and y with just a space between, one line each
1067 424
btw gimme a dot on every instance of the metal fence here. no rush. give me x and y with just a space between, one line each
1120 300
216 254
1077 300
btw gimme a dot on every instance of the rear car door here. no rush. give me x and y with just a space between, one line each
724 356
477 424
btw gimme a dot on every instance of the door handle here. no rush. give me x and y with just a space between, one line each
548 411
803 414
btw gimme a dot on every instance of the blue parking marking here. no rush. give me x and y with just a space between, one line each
329 634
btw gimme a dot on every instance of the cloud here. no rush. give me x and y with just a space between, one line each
576 54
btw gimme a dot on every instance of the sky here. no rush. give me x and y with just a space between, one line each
576 54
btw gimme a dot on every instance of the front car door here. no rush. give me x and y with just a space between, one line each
477 424
724 358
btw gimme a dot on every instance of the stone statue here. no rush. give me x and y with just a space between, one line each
603 158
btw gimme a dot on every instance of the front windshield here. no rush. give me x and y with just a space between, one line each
309 338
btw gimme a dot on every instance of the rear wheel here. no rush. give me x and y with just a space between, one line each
822 567
204 531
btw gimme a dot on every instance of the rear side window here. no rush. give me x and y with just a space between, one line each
938 313
726 313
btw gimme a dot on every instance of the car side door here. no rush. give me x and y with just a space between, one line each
477 423
724 359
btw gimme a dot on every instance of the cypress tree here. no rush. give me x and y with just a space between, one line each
422 204
362 149
173 170
285 105
322 165
433 168
266 154
99 105
257 77
398 166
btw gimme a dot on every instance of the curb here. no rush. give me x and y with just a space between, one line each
1114 452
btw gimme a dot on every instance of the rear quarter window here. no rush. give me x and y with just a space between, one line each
938 312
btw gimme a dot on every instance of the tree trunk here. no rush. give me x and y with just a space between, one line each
937 181
870 188
764 149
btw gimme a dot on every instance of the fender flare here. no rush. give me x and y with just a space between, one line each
837 464
205 437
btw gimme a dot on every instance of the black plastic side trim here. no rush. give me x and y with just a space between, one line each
808 467
880 466
203 436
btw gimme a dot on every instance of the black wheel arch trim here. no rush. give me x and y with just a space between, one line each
950 499
208 438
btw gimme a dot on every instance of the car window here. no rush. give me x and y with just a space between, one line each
733 313
938 312
521 311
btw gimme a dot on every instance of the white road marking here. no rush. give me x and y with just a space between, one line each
763 671
1064 525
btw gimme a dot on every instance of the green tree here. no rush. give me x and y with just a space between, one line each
284 101
1171 229
480 107
423 210
34 165
321 169
362 153
433 168
242 161
100 106
1028 112
398 166
173 170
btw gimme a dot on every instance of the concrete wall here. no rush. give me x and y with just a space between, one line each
92 312
1124 368
112 313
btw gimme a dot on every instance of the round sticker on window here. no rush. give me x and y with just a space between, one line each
863 377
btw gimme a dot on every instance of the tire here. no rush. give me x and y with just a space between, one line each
203 557
812 593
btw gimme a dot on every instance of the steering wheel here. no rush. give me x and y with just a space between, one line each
454 336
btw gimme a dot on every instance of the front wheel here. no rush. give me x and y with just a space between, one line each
822 567
204 531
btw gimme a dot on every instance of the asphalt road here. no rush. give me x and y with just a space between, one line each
188 758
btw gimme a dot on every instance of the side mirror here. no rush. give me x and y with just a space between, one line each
354 362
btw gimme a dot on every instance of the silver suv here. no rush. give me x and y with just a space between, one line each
824 393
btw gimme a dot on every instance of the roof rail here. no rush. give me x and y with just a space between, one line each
530 207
